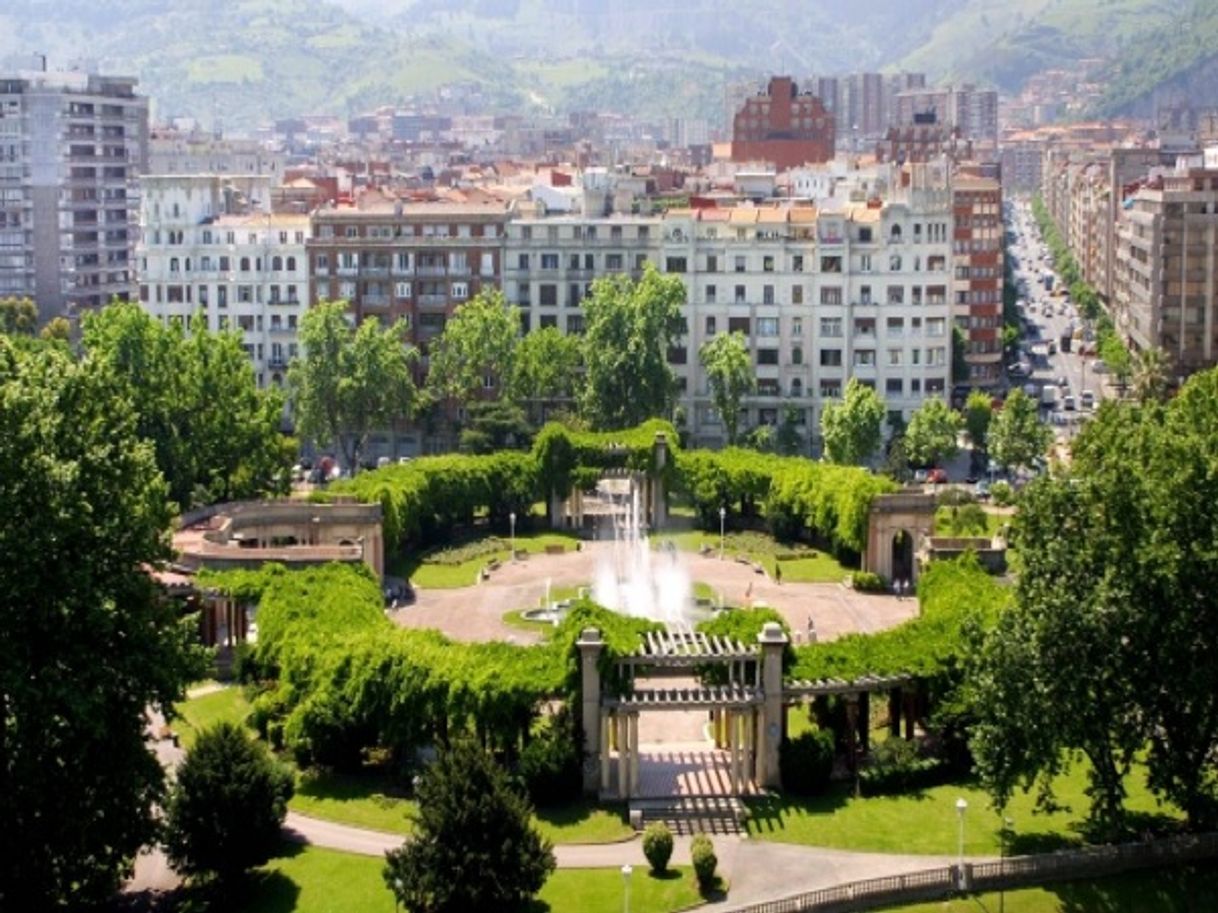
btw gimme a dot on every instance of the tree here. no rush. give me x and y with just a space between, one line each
960 367
493 426
350 381
57 330
474 847
729 371
932 433
18 316
227 806
1017 436
787 441
86 642
478 342
851 428
1151 375
629 328
216 436
546 371
978 412
1116 357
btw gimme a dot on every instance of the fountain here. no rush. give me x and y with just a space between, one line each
630 578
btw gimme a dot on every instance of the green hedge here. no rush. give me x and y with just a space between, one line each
562 452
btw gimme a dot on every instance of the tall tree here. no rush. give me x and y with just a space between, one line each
215 434
1017 436
729 371
787 441
1151 375
349 382
226 806
478 342
86 644
629 328
474 846
547 373
932 433
978 411
851 428
18 316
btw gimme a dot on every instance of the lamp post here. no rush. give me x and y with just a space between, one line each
961 808
397 894
626 871
722 521
512 521
1007 825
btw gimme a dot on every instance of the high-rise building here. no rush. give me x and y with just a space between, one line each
72 146
978 266
783 126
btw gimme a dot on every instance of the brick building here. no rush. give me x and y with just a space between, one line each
784 127
977 262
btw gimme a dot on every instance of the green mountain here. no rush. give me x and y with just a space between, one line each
243 61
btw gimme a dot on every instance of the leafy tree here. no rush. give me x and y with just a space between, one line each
18 316
787 441
729 371
215 434
546 371
1151 376
474 847
57 330
349 381
1017 436
932 433
227 806
960 369
629 328
86 642
760 439
495 425
978 412
851 428
1116 356
479 341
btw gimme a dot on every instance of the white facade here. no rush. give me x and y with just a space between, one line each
822 295
211 249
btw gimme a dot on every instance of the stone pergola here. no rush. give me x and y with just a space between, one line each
900 522
742 690
569 512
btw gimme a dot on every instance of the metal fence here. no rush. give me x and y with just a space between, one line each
1018 871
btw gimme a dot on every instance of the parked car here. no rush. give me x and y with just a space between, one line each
920 475
1087 400
982 490
1099 366
936 476
382 462
1068 402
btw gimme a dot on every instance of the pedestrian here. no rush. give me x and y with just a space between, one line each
778 573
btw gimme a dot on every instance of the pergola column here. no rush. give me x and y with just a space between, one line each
864 728
773 641
590 646
634 753
623 757
894 712
852 728
606 730
910 700
733 775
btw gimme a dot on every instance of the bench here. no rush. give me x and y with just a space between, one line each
558 549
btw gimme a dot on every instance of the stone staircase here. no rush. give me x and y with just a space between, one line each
690 814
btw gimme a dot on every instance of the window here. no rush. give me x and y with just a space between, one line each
740 261
894 386
678 355
797 263
674 265
896 326
830 264
767 294
865 263
894 263
767 264
831 326
864 358
276 264
797 355
547 320
739 294
710 326
575 323
797 326
640 260
831 389
549 261
797 294
894 358
710 294
865 234
896 294
522 261
830 358
245 264
460 291
613 262
547 295
767 326
738 325
712 264
291 264
831 295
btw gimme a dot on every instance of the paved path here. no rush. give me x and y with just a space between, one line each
475 613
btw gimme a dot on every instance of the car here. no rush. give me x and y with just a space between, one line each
404 460
382 462
1099 366
936 476
1052 347
1087 400
920 475
982 490
1063 382
1068 402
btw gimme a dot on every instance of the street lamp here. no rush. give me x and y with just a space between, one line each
397 894
626 872
1007 826
512 521
961 808
722 521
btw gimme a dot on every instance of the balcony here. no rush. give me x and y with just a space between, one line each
378 302
374 272
433 300
431 271
348 271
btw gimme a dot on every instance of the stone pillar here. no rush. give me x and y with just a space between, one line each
732 766
659 506
773 641
634 754
623 758
606 729
865 722
750 746
590 646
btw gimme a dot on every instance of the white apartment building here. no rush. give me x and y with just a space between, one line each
71 147
211 249
847 289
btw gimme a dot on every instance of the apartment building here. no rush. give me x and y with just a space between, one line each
974 111
210 249
172 151
1166 269
783 126
71 148
977 242
822 293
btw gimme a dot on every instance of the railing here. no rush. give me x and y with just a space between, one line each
431 271
1019 871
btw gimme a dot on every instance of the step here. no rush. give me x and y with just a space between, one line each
690 815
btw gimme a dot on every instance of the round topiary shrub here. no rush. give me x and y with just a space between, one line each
806 763
657 846
702 852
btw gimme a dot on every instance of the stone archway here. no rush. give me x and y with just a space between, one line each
910 515
902 557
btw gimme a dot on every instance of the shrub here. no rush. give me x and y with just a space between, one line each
457 555
896 765
1003 494
550 764
806 763
867 582
657 846
702 852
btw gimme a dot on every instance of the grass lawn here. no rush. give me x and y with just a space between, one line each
375 803
516 619
1181 890
993 523
823 568
925 821
800 563
198 713
315 880
432 575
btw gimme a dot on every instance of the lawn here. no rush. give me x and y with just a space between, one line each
434 575
926 821
375 803
800 563
1181 890
314 880
993 523
198 713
